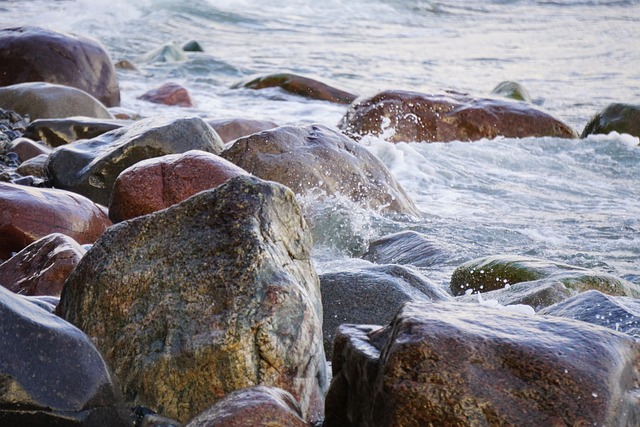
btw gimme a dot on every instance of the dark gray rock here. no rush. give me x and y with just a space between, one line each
57 132
621 118
406 247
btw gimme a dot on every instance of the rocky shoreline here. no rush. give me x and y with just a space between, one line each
157 271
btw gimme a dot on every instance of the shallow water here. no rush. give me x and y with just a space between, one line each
571 201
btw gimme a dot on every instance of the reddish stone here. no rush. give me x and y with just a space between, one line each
160 182
302 86
28 214
231 129
169 94
27 149
42 267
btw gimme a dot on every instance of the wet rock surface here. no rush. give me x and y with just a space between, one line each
57 132
406 247
231 129
169 94
618 117
302 86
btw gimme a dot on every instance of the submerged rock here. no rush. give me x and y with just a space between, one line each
621 118
406 247
302 86
169 52
57 132
512 90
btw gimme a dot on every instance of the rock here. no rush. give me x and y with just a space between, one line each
401 116
57 132
45 302
452 364
621 118
494 272
170 52
124 64
42 267
28 214
512 90
90 167
406 247
537 294
36 167
316 157
302 86
192 46
169 94
155 184
231 129
256 406
371 296
27 149
204 298
31 54
50 372
45 100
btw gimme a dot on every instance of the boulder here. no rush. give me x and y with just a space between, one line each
192 46
512 90
42 267
169 52
36 167
316 157
371 296
302 86
453 364
169 94
90 167
251 407
621 118
495 272
232 129
212 295
27 148
400 116
30 54
50 372
155 184
57 132
45 100
28 214
406 247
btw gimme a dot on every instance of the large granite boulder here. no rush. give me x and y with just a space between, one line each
157 183
50 372
302 86
62 131
315 157
401 116
42 267
90 167
30 54
621 118
406 247
28 214
209 296
453 364
234 128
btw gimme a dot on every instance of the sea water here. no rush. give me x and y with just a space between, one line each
573 201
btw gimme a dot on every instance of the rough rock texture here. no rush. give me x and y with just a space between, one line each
30 54
371 296
36 166
57 132
512 90
169 94
406 247
28 214
231 129
158 183
495 272
42 267
452 364
621 118
251 407
27 149
91 167
50 372
45 100
204 298
415 117
316 157
302 86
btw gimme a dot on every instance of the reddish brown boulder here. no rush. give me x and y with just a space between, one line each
28 214
160 182
27 148
402 116
30 54
42 267
231 129
169 94
302 86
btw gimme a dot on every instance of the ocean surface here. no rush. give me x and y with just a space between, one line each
573 201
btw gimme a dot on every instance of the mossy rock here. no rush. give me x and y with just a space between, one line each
512 90
621 118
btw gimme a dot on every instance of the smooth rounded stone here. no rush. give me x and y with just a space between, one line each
36 167
124 64
617 313
90 167
192 46
315 157
255 406
45 302
302 86
46 100
42 267
212 295
27 148
495 272
406 247
155 184
618 117
512 90
30 54
401 116
28 214
537 294
232 129
371 295
50 372
454 364
169 94
169 52
57 132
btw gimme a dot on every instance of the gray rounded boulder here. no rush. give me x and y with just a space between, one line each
621 118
